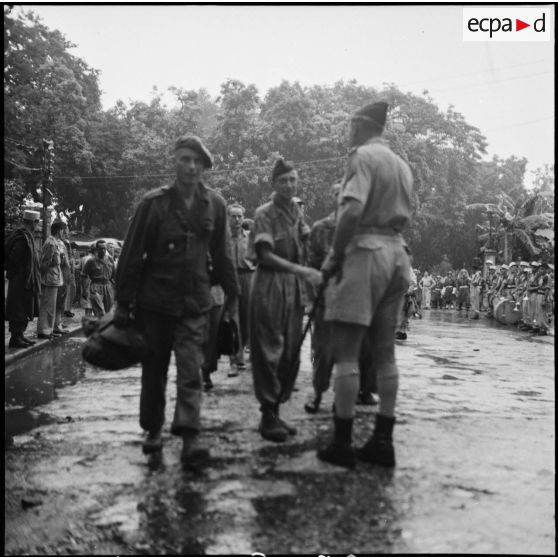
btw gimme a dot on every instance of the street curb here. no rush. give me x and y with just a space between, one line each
41 344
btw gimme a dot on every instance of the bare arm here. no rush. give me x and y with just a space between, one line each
267 258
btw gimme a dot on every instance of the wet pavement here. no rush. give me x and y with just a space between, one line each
475 443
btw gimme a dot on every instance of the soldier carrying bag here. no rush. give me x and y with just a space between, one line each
111 347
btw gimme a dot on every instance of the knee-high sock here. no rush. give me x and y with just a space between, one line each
388 383
346 385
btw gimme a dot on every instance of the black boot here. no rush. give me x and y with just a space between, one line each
271 427
339 451
194 455
313 406
379 449
153 442
17 341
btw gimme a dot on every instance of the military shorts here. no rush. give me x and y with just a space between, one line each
375 272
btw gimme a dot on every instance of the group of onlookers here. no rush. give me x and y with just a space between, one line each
530 286
46 283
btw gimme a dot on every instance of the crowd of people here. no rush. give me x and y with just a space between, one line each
528 286
47 283
190 263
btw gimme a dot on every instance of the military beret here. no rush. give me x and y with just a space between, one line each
281 167
193 142
513 264
504 266
375 112
535 264
550 266
524 264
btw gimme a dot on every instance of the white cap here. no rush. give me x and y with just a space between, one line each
29 215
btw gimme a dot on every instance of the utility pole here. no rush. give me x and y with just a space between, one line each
48 172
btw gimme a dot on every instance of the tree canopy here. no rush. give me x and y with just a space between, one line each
106 159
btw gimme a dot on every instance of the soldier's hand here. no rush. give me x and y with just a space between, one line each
121 315
312 276
331 268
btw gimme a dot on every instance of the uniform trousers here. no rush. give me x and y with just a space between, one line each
242 316
276 314
163 334
101 296
47 310
474 293
426 297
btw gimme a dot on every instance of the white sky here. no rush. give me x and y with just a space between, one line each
504 88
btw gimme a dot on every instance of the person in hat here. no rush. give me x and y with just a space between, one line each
245 270
52 260
277 299
24 276
541 323
97 278
163 279
367 272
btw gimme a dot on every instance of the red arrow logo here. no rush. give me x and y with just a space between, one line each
519 25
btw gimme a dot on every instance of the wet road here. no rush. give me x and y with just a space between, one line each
474 441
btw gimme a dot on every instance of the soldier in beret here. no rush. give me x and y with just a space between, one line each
163 278
277 299
368 270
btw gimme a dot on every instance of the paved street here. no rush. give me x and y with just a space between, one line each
475 442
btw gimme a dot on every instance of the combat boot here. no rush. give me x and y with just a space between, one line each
193 455
153 442
271 427
339 451
17 341
379 448
314 405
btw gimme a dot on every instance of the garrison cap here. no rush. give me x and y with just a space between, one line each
281 167
193 142
513 264
535 264
524 264
375 112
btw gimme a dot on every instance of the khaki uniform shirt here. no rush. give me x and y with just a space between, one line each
383 183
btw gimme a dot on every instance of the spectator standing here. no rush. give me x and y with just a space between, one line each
51 280
245 271
426 284
474 292
98 280
24 276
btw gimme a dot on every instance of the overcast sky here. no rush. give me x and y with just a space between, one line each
504 88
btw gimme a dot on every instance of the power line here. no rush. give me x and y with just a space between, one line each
517 125
210 173
460 87
475 73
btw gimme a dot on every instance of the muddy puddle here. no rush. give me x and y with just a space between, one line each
34 381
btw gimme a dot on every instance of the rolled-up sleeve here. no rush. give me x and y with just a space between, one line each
359 177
